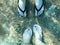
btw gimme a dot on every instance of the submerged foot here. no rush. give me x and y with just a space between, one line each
39 7
38 34
21 7
27 36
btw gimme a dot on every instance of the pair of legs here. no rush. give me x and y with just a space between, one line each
39 7
37 35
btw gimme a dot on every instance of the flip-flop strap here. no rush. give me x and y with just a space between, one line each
21 9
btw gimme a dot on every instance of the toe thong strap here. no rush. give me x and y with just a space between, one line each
22 10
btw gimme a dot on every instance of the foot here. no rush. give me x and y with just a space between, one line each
39 7
21 7
27 36
38 34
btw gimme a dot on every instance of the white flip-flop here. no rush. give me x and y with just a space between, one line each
27 36
37 32
21 7
39 7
